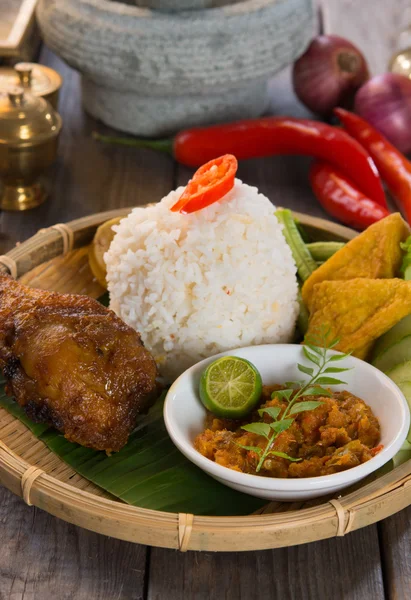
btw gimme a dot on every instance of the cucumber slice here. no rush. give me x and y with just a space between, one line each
403 454
401 330
401 375
394 355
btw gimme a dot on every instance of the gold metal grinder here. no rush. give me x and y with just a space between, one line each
401 63
37 79
29 130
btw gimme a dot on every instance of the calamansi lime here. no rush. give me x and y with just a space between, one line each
230 387
99 246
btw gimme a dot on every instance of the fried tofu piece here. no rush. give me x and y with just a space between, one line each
374 254
358 311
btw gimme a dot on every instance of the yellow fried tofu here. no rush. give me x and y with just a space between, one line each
374 254
358 311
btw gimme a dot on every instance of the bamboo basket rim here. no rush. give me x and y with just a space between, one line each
372 502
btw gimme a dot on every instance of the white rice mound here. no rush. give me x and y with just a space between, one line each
198 284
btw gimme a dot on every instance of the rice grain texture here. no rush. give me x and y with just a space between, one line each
198 284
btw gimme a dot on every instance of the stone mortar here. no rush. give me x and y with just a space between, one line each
179 5
151 73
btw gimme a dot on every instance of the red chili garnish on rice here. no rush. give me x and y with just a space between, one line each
209 184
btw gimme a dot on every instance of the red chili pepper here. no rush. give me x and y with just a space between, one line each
341 199
394 168
269 136
282 135
210 183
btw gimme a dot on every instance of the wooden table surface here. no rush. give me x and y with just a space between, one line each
43 558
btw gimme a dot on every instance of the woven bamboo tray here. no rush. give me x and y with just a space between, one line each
56 259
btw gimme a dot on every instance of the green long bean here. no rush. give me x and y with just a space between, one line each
303 316
302 256
322 251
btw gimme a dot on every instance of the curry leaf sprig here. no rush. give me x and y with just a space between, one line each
317 353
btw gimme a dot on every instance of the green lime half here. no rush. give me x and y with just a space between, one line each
230 387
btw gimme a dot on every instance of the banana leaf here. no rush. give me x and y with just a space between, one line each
148 472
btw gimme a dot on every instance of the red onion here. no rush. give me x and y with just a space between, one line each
329 73
385 102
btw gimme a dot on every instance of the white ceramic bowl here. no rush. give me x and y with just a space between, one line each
184 417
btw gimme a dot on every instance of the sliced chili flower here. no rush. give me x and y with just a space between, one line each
209 184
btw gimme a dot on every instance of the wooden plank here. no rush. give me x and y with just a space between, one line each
43 558
395 540
284 180
88 176
375 26
341 568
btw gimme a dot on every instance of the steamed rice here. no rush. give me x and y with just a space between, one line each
195 285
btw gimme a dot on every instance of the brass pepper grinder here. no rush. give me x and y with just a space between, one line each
39 80
29 130
36 79
400 62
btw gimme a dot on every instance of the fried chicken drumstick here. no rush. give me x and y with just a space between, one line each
71 362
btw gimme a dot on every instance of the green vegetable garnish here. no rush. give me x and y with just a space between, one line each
302 257
303 316
322 251
392 354
316 353
401 375
406 261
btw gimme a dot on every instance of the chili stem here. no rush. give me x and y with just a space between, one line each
164 145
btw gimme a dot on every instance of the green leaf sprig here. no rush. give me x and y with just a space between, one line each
316 351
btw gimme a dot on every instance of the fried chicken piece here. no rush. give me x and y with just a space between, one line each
71 362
